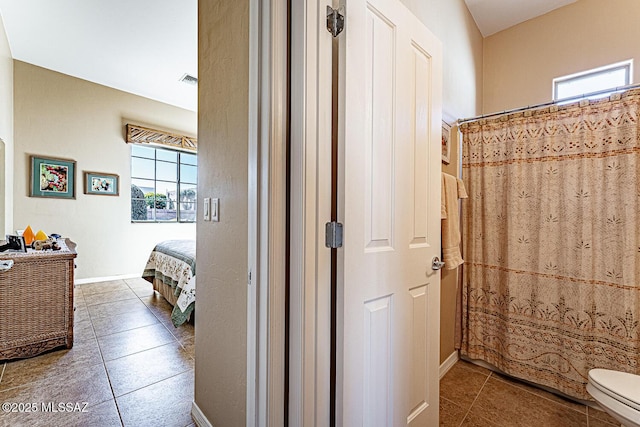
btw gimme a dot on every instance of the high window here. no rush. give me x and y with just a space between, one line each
599 79
163 185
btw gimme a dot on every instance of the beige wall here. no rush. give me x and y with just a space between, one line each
221 322
61 116
521 62
449 278
6 134
452 23
462 43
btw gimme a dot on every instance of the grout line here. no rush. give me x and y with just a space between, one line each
604 422
169 327
137 352
517 384
115 401
109 334
607 423
154 383
108 302
476 398
104 364
520 384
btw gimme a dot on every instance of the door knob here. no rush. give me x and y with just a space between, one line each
436 264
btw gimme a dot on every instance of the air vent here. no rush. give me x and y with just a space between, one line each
189 79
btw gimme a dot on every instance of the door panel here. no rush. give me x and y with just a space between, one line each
419 88
389 202
377 367
420 328
379 128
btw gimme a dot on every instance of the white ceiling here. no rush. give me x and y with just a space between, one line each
492 16
145 46
138 46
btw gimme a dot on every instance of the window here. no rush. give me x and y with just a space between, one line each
599 79
163 185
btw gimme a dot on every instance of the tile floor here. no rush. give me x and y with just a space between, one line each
128 363
472 396
133 368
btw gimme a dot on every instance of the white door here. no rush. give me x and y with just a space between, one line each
390 82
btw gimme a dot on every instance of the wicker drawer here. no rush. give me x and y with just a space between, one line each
36 303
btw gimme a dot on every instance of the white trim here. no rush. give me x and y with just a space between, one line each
252 235
310 272
106 278
448 364
297 226
622 65
274 152
267 212
198 417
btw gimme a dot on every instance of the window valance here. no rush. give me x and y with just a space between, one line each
142 135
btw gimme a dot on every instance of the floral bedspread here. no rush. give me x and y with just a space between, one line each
174 263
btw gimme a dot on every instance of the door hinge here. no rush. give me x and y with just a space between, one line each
335 20
333 235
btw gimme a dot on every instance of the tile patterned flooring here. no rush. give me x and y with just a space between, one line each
133 368
472 396
128 363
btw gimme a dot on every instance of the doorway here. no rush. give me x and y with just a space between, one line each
387 295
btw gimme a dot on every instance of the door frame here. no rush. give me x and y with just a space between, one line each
310 177
309 273
267 206
310 209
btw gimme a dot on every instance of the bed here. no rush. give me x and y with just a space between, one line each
171 268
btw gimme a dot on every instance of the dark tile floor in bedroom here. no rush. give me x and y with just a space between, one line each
472 396
128 362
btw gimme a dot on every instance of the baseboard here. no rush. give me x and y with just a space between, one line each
448 364
198 416
105 279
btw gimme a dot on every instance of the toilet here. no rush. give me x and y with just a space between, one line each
618 393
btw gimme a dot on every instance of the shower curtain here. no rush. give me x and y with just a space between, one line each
552 241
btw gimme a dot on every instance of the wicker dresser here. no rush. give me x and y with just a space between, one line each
36 302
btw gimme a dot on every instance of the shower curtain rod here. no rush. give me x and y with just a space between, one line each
547 104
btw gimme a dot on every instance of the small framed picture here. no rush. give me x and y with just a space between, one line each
446 143
16 243
52 177
104 184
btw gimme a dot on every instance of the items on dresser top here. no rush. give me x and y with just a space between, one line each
37 301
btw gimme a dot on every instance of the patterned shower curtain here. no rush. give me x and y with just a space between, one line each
552 241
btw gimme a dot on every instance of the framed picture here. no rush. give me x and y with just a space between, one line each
446 142
104 184
16 243
52 178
